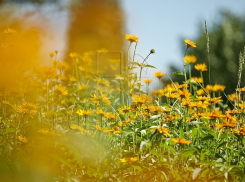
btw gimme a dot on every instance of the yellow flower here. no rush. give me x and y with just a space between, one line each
48 132
200 92
9 31
181 141
196 79
132 38
143 99
124 109
22 139
159 74
62 65
103 50
85 113
218 88
61 90
201 67
51 54
147 81
73 55
164 130
232 97
83 87
216 114
72 79
190 58
96 99
47 72
76 127
128 159
242 90
157 93
99 111
185 102
190 44
116 129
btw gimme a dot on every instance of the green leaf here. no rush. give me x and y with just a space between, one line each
135 77
187 63
9 130
181 133
149 66
211 133
188 153
137 167
62 160
204 173
208 137
137 64
177 73
220 145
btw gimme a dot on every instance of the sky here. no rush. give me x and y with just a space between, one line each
164 25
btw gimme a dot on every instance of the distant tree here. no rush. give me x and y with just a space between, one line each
227 40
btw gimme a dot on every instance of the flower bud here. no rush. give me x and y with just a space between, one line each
152 51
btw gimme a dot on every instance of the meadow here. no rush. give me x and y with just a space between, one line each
65 122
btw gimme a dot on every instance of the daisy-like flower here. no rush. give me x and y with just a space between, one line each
200 92
157 93
190 43
242 90
232 97
190 58
159 74
147 81
218 88
85 113
132 38
181 141
201 67
128 159
99 111
61 90
164 131
196 79
124 109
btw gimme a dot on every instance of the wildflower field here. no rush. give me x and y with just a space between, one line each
65 122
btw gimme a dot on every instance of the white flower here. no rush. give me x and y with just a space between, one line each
143 132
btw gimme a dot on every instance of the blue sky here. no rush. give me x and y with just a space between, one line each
162 25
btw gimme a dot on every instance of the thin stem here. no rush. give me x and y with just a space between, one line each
190 77
184 63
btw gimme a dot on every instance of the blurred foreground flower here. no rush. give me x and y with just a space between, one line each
22 139
9 31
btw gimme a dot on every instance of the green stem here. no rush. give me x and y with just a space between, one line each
184 63
202 79
190 78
